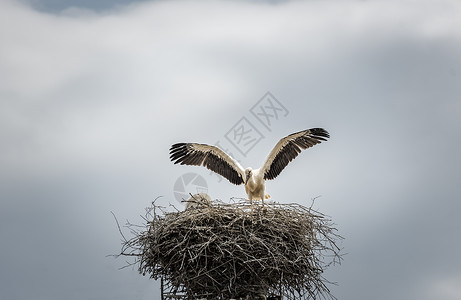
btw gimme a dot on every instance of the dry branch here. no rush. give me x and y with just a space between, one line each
226 251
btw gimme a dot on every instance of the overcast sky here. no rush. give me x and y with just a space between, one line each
93 95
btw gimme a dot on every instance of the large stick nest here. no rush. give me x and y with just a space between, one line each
225 251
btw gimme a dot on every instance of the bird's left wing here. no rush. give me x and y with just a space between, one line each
289 147
208 156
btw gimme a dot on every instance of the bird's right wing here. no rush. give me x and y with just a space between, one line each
208 156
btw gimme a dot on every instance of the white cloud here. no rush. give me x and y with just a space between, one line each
107 93
443 287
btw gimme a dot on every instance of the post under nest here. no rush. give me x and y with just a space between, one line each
239 250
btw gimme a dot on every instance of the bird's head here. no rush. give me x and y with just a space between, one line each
248 174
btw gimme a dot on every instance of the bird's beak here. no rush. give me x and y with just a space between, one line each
247 178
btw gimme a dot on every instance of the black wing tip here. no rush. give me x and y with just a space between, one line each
177 151
320 132
177 145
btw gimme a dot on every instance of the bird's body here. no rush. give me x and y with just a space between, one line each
254 185
218 161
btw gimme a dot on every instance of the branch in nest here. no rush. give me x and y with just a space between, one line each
235 250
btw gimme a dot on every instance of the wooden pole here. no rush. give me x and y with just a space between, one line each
161 288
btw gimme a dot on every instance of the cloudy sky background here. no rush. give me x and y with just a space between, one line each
92 95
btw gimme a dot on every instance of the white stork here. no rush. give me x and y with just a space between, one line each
218 161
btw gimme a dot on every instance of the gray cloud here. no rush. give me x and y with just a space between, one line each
91 102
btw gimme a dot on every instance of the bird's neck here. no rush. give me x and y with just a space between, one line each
252 181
